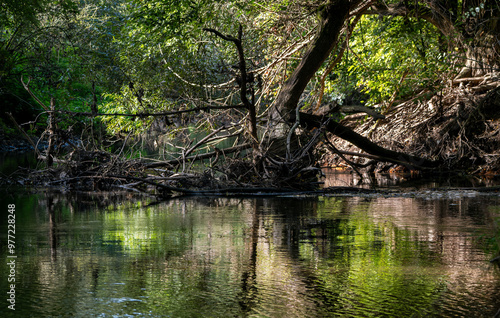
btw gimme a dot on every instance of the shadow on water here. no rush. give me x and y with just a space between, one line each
80 255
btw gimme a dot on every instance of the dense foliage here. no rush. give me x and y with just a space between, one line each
131 56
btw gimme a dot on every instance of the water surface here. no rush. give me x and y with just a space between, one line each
84 256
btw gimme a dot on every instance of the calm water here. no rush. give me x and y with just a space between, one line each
286 257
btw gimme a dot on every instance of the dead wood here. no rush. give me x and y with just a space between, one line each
353 109
202 156
456 127
156 184
346 133
51 131
146 114
21 130
27 88
202 141
336 110
244 78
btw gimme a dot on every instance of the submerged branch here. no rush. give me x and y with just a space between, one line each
156 184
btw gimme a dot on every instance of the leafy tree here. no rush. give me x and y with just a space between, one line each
35 42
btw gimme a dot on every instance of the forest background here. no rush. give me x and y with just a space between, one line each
288 85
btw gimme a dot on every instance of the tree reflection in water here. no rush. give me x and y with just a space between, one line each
293 257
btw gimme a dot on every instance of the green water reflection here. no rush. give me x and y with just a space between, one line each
80 256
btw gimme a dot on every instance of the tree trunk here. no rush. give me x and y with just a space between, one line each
482 56
481 31
332 19
346 133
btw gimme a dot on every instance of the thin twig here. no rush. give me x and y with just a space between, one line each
351 163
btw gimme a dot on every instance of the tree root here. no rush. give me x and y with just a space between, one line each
457 128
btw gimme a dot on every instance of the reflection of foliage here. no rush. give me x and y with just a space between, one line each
136 235
206 257
370 274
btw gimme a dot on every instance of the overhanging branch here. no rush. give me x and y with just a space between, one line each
143 115
244 79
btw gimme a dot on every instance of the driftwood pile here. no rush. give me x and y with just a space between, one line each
229 174
457 125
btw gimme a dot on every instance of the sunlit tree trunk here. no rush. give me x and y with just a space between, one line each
332 19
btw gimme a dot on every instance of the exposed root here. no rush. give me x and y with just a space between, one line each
458 126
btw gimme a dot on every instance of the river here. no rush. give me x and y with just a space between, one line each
414 255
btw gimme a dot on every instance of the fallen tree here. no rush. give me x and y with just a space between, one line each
470 118
459 126
378 153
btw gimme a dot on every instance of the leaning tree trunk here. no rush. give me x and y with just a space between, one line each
382 154
332 19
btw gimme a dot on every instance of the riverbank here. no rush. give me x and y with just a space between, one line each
456 124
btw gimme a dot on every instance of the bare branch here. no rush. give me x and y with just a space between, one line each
203 140
23 132
143 115
200 156
26 87
216 86
362 109
222 36
244 79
